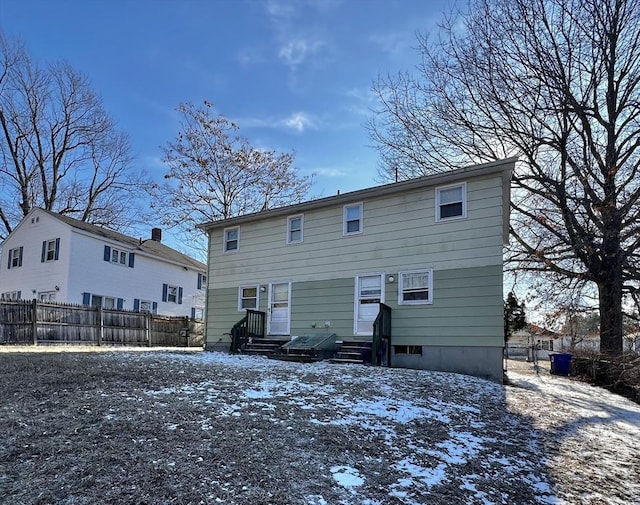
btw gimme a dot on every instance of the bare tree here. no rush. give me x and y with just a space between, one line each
214 173
557 83
59 149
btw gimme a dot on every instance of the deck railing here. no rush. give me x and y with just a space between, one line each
381 344
251 326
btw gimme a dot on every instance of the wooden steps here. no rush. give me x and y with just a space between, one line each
264 346
353 351
282 348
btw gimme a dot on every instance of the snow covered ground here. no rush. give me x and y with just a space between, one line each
255 431
558 440
591 437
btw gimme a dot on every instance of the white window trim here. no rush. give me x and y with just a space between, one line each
240 288
118 260
103 299
149 310
344 219
356 299
224 240
270 302
177 293
462 185
47 251
429 301
289 219
47 296
15 258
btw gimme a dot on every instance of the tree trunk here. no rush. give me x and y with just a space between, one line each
610 291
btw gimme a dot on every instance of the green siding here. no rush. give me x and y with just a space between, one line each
466 310
222 314
399 232
320 301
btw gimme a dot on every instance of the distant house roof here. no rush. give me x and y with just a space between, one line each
503 167
149 246
533 330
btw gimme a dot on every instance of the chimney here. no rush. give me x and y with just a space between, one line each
156 234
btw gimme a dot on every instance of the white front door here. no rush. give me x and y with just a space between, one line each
279 318
369 293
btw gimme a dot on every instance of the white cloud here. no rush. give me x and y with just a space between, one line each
294 52
250 56
299 121
396 44
362 94
330 172
280 9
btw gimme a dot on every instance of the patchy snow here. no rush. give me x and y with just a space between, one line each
264 431
347 476
549 434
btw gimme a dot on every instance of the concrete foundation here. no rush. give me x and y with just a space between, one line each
483 362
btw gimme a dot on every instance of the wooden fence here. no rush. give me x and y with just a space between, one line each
34 322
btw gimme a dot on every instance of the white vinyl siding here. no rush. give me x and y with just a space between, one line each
451 202
415 287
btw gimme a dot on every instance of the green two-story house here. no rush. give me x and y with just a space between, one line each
429 250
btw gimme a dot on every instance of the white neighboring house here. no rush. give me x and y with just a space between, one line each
57 258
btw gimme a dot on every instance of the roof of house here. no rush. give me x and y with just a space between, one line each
504 167
536 331
148 246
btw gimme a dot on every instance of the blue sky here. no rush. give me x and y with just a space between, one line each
295 75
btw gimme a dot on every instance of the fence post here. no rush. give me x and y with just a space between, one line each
147 327
34 320
100 325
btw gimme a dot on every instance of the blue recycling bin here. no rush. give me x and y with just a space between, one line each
560 363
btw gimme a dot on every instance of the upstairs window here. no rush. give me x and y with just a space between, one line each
451 202
171 294
352 219
15 258
50 250
415 288
294 229
118 256
231 239
202 281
